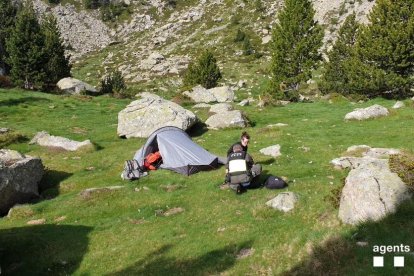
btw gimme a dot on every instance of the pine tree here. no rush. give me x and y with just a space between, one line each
7 17
386 47
341 59
296 38
57 66
25 47
204 71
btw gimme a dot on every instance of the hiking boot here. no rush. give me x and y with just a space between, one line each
240 189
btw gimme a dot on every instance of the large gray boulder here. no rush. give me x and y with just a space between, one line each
370 193
226 119
220 107
373 111
371 190
217 94
74 86
19 178
46 140
142 117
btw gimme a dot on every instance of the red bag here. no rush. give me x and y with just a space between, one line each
152 161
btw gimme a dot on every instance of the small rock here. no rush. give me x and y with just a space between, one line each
272 151
4 130
398 104
277 125
283 201
59 219
36 221
173 211
244 253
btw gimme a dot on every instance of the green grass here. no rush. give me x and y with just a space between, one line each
119 232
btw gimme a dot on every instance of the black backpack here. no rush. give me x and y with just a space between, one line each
274 182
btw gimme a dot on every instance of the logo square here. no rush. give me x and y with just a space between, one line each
399 261
378 261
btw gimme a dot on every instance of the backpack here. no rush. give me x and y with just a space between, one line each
152 161
132 170
274 182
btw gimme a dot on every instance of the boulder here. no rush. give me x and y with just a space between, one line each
201 95
370 193
367 113
272 151
74 86
44 139
142 117
222 94
218 94
283 202
398 104
19 178
371 190
221 107
227 119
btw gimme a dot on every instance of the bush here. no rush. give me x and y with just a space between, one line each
240 36
94 4
113 84
54 1
403 165
204 71
247 46
112 11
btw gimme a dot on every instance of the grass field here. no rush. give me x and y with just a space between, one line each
121 232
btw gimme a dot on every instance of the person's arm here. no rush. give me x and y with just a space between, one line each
230 150
249 161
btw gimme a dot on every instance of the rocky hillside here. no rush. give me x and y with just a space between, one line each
156 40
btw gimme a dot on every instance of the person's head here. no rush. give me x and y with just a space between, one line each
237 148
244 139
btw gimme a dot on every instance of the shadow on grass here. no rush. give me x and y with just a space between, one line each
49 185
43 249
24 100
198 129
342 256
268 161
211 263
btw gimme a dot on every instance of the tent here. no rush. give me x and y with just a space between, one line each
179 153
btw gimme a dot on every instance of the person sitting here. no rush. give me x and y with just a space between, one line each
241 171
244 142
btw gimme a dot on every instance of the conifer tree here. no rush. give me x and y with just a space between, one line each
7 17
386 47
25 47
296 40
203 71
57 65
341 59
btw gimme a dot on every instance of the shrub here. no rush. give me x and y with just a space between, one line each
203 71
403 165
113 84
247 46
111 11
240 36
